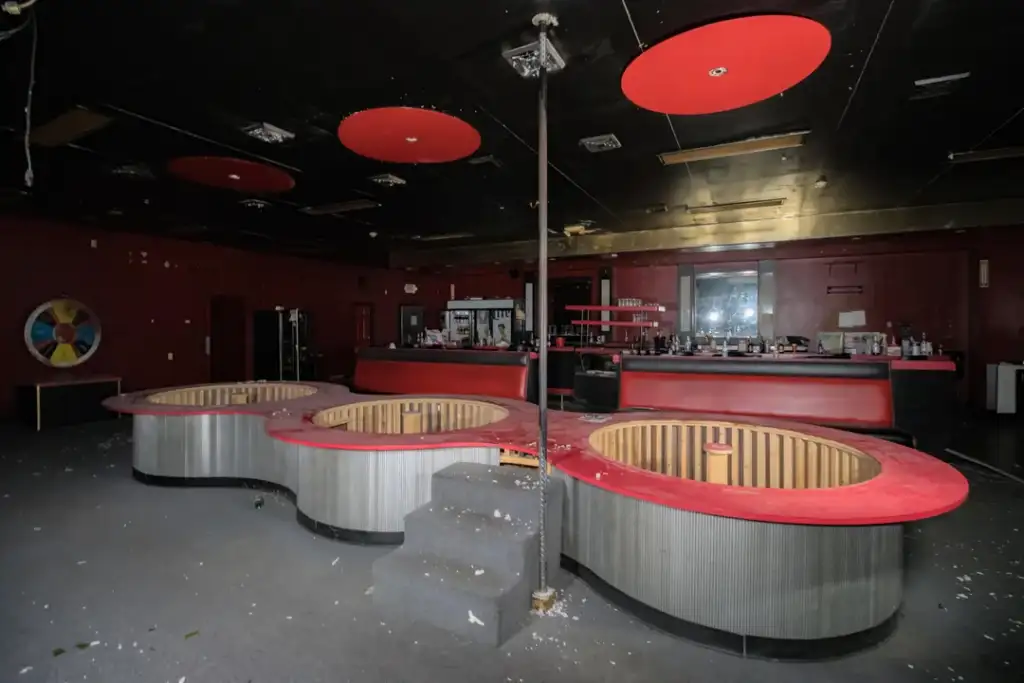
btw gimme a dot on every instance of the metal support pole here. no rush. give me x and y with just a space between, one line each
543 598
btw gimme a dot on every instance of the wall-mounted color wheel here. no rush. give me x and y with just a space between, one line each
62 333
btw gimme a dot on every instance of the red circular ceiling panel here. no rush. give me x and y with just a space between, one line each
232 174
408 135
726 65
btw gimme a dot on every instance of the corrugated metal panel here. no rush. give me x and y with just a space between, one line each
748 578
355 490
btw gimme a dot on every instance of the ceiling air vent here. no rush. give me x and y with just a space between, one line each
600 143
340 207
268 133
387 180
585 227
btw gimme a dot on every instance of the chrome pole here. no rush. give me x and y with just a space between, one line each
544 597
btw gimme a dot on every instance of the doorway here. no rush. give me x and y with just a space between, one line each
567 291
227 339
410 324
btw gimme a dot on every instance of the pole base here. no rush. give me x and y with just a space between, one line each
543 600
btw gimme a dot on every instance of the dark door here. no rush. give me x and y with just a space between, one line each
410 324
362 318
268 337
567 291
227 339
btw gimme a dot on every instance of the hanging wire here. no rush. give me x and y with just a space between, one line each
29 172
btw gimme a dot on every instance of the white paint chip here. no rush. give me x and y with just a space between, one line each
335 561
478 572
473 619
497 513
25 670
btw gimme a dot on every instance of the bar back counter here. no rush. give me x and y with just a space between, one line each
753 533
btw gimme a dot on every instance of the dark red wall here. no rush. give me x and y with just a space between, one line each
145 289
152 297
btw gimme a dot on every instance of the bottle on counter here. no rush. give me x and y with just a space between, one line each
926 346
876 347
821 348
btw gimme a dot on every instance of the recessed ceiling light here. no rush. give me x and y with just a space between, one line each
718 72
269 133
234 176
411 140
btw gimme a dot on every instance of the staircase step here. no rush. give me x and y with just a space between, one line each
487 607
481 540
483 489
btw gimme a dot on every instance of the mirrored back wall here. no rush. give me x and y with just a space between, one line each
727 299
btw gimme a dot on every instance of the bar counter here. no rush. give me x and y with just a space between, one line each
863 393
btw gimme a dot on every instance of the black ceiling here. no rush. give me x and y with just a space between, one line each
182 78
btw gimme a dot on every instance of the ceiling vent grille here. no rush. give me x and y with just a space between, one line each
600 143
387 180
268 133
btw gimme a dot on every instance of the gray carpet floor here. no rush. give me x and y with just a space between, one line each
104 579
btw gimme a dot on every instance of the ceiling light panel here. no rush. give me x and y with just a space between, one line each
738 148
737 206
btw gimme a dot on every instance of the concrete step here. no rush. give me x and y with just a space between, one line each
483 541
484 489
486 607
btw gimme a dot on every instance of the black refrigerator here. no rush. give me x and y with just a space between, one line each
280 349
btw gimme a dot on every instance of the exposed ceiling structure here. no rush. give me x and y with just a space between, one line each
888 117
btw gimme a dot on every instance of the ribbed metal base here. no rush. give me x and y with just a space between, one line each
746 578
355 491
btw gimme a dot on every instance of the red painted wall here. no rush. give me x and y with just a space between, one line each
152 297
145 289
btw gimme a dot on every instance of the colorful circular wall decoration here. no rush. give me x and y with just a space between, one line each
229 173
408 135
62 333
726 65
